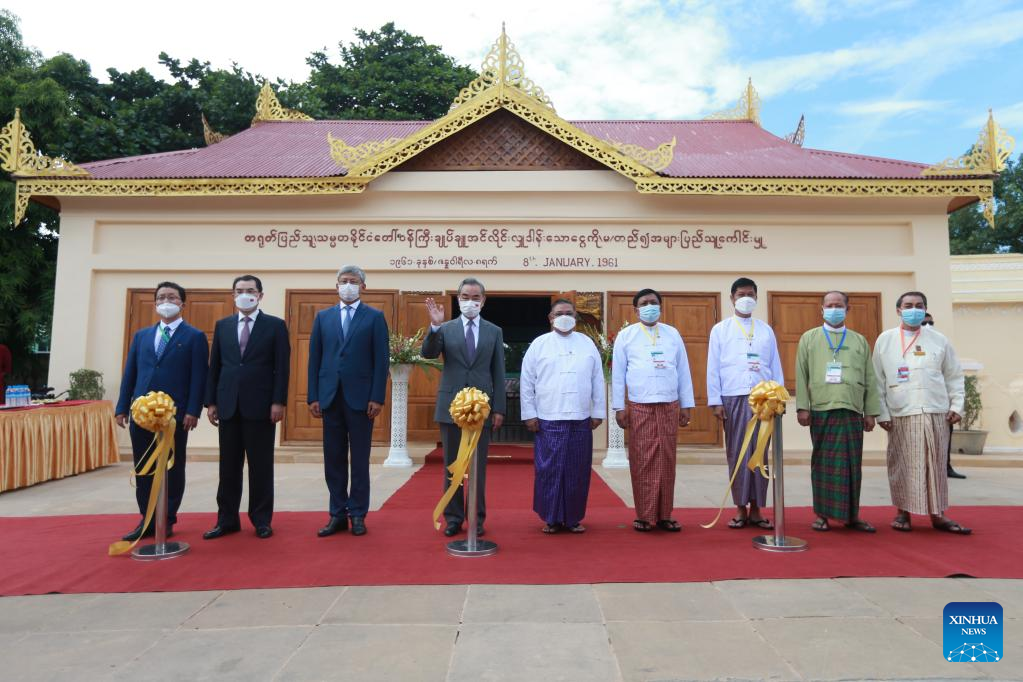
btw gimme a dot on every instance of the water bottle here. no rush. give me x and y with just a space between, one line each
9 396
26 396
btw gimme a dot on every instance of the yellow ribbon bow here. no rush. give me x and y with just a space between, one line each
469 410
767 401
153 412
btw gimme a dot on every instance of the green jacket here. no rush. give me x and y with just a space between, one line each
858 390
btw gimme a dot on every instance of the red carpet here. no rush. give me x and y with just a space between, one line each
67 554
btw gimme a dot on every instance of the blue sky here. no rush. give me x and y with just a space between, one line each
907 79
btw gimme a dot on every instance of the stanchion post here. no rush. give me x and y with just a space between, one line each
778 542
472 545
161 549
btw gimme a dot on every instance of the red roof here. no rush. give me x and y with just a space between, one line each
705 149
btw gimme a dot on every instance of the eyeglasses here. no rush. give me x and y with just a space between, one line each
927 323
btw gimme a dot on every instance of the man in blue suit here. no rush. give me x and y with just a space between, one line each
349 358
172 357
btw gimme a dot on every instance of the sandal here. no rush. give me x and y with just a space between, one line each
762 523
821 524
950 526
577 528
642 526
902 524
861 525
737 522
670 525
551 529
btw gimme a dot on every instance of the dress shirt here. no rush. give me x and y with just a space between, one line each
562 379
171 328
252 317
935 384
465 324
728 364
633 367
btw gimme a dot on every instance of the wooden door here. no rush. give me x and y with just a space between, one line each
423 382
203 308
302 305
792 313
693 314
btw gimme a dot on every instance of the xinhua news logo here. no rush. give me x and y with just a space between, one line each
972 632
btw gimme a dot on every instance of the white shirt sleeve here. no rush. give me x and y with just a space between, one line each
527 382
619 362
777 373
955 382
685 378
598 388
880 379
713 368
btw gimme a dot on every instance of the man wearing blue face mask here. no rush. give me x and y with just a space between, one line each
836 396
650 361
922 392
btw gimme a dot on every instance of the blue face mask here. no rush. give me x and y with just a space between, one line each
834 316
650 313
913 316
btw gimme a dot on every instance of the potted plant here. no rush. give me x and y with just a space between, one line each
404 355
86 384
967 440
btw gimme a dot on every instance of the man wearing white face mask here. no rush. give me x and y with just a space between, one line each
562 393
650 361
742 353
245 396
349 358
473 351
171 356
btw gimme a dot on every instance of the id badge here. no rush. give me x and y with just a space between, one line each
753 362
657 357
902 374
833 374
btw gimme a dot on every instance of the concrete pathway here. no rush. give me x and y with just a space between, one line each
742 630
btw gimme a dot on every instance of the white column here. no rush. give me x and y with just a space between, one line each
616 457
397 456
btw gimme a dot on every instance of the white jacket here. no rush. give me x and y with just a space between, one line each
935 382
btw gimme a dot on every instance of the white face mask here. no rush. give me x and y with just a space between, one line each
348 292
746 305
470 308
564 323
246 302
168 310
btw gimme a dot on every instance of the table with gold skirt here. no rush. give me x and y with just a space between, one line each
46 442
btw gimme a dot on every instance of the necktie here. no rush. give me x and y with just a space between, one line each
164 340
346 320
470 342
244 339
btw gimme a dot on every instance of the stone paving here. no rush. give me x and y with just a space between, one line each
841 629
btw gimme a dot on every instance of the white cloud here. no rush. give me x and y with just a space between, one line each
1009 117
890 107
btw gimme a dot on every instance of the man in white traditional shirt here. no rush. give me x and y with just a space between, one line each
650 361
561 390
743 352
922 391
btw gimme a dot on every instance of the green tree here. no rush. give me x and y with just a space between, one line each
968 230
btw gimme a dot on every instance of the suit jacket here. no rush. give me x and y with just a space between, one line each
249 384
485 372
180 372
357 363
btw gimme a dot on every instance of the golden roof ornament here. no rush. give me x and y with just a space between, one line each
19 157
349 156
502 68
747 109
987 156
209 134
268 108
656 159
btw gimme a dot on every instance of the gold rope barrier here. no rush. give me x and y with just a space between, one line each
153 412
469 410
767 401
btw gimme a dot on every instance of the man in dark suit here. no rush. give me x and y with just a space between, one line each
246 392
349 358
170 356
473 351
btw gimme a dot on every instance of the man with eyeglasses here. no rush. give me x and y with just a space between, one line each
171 356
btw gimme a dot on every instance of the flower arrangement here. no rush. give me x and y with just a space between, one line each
605 344
405 350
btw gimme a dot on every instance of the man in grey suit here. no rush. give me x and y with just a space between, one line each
473 351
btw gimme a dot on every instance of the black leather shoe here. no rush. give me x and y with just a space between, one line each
952 473
219 531
453 528
336 524
358 525
263 532
480 532
150 532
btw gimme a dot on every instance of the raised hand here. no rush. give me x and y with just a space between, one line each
436 312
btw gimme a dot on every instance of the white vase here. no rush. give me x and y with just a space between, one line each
617 457
397 456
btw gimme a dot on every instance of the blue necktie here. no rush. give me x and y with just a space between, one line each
470 342
164 340
346 321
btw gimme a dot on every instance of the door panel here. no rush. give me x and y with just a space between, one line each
423 383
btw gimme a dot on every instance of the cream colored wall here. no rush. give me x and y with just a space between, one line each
988 311
108 246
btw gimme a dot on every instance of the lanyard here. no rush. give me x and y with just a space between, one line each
909 345
752 327
827 335
653 337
